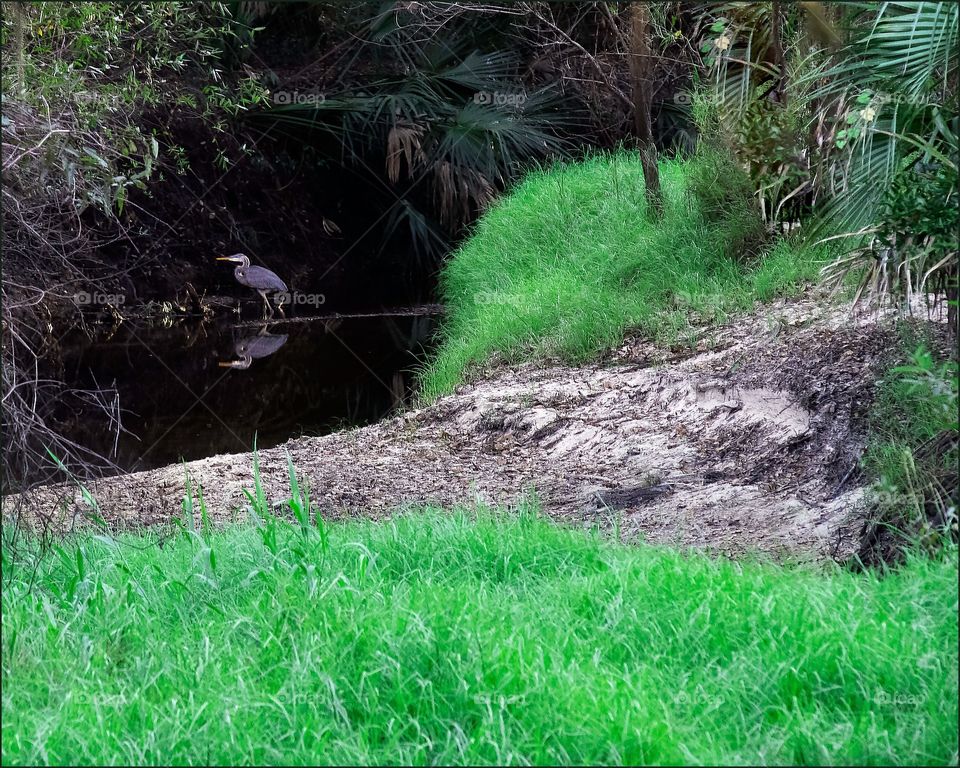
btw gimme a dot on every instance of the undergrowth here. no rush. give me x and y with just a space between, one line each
912 455
569 260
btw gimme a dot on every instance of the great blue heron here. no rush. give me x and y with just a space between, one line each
260 279
249 348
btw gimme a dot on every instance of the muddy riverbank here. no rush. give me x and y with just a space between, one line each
750 442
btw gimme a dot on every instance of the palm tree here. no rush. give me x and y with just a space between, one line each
877 94
895 80
456 117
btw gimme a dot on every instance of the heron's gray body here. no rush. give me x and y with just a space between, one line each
260 345
260 279
254 347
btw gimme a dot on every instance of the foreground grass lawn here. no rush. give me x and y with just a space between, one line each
441 637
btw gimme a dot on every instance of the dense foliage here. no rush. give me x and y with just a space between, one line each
912 457
837 110
79 83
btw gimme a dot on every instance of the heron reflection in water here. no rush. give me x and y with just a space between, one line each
252 348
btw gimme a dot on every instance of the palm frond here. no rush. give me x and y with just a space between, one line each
913 43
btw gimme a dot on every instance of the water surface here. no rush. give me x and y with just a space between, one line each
203 388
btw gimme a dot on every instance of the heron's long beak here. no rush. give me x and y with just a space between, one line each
227 258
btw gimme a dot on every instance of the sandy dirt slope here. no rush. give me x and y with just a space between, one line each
750 442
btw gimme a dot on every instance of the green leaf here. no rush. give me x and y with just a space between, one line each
99 160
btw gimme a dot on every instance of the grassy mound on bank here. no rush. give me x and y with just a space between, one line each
569 260
439 638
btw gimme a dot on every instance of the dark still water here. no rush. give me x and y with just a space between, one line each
195 390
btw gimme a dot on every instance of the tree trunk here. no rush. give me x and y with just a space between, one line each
17 13
778 93
953 294
641 70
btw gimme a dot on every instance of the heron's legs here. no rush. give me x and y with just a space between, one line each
267 308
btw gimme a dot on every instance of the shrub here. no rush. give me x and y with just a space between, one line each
726 198
912 457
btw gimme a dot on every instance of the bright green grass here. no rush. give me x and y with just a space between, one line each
567 261
444 638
